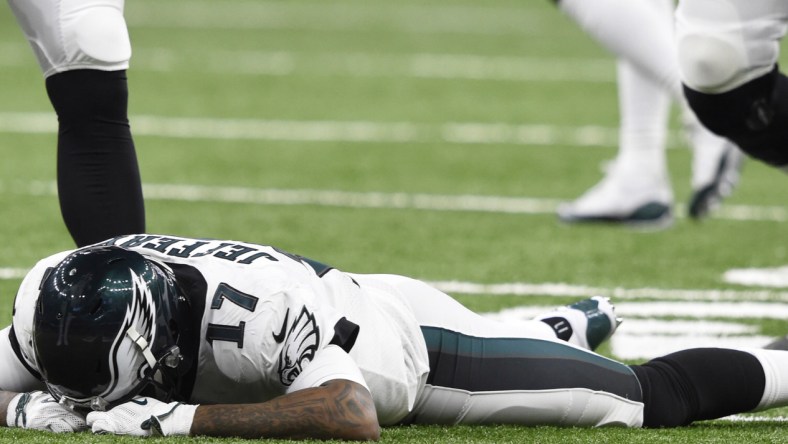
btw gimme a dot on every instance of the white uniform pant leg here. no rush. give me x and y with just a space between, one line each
575 407
638 32
75 34
723 44
557 402
433 308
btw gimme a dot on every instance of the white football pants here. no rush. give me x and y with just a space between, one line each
75 34
475 364
723 44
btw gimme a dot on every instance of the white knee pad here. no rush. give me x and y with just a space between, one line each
100 34
723 44
711 64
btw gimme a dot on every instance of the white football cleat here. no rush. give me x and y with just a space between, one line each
623 197
586 323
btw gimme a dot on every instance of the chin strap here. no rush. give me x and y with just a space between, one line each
143 345
170 359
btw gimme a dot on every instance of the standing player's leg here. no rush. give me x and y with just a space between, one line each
640 33
83 49
636 187
728 51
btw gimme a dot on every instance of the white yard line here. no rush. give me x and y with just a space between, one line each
432 19
420 65
335 198
756 418
460 133
743 309
765 277
644 347
617 293
417 201
357 64
648 330
12 273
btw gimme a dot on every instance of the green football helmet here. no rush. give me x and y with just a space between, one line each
109 323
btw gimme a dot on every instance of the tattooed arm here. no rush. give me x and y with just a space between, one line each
319 404
339 409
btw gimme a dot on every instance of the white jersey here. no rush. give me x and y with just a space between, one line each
274 322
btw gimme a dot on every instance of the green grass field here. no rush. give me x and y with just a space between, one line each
426 138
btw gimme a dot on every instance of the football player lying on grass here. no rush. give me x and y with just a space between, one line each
148 334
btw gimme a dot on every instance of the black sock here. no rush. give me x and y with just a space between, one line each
698 384
98 178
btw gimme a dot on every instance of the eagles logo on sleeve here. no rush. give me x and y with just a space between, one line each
300 345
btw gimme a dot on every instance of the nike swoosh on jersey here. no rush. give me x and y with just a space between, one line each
140 401
279 337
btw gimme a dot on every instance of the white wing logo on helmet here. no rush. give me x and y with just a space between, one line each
300 346
140 316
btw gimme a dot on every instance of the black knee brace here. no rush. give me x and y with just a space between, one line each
754 116
98 178
698 384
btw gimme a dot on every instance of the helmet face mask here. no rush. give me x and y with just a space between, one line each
107 326
150 378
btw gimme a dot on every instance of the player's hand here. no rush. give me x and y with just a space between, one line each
144 417
38 410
